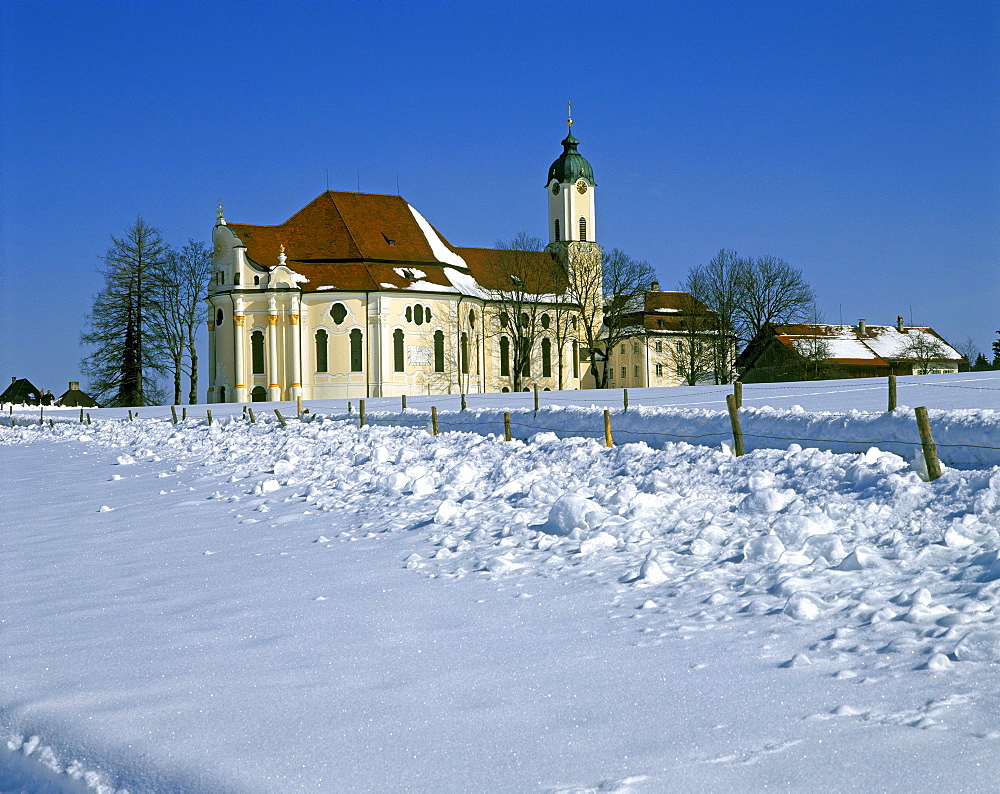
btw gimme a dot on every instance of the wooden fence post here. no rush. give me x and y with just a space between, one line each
81 416
734 419
130 414
927 441
607 429
506 426
52 424
892 392
298 404
463 401
434 420
624 400
173 413
41 414
88 419
362 417
536 398
403 401
184 414
350 407
253 419
738 393
209 414
281 419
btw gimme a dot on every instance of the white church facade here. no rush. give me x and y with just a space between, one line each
357 295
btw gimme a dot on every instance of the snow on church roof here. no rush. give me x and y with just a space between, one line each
356 242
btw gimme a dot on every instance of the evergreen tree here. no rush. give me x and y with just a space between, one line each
128 351
996 353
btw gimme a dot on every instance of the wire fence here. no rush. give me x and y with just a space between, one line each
629 425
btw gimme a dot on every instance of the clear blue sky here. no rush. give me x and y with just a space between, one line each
858 141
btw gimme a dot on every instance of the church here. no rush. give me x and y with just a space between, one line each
358 295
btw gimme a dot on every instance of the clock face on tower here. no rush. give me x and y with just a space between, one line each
555 189
581 186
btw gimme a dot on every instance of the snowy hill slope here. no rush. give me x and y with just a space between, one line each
245 607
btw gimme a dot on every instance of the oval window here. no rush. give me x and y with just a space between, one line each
546 320
472 318
409 314
427 314
504 319
218 317
338 312
525 319
418 314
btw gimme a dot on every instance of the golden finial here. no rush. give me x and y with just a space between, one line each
569 114
282 248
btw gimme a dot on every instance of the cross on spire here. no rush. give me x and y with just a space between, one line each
569 115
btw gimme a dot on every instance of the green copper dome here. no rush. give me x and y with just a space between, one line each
571 165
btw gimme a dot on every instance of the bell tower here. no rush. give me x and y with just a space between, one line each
571 193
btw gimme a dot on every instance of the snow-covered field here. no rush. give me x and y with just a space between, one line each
246 607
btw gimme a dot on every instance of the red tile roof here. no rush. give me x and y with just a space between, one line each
363 242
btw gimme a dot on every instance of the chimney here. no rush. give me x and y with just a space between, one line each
899 323
13 379
655 286
74 385
862 328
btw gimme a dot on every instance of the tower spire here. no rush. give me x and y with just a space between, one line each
569 115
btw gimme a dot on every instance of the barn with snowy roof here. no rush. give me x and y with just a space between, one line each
793 351
358 295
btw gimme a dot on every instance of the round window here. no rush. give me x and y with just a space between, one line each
338 312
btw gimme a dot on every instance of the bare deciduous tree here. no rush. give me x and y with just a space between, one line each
624 284
717 286
517 304
747 294
921 350
693 351
183 280
771 291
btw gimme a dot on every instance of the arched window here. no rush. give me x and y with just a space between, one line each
338 312
526 366
546 358
219 317
427 314
439 351
525 320
576 359
222 394
505 390
504 355
465 354
236 278
583 228
472 318
504 319
557 236
546 321
418 314
258 394
257 352
356 357
397 350
322 363
409 314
